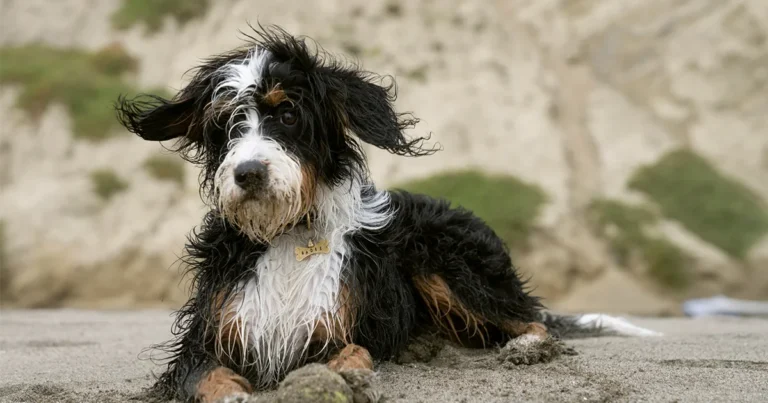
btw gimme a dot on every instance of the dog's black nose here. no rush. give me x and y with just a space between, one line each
251 175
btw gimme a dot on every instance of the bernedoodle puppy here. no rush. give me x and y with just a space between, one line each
301 258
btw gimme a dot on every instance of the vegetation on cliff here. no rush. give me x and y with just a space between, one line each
626 229
151 13
86 83
715 207
165 168
106 183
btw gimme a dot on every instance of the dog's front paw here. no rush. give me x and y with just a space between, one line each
531 349
361 383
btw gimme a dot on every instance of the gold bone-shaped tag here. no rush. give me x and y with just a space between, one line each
321 247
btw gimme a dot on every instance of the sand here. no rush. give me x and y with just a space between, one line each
90 356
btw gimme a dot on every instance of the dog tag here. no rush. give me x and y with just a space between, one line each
312 249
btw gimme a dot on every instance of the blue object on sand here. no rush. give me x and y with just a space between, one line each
722 305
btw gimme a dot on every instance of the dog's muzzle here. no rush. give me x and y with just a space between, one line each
252 176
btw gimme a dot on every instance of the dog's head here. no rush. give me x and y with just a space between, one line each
270 123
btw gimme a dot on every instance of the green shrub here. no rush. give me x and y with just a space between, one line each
106 183
509 205
87 84
165 168
668 265
625 228
153 12
418 74
717 208
393 9
627 224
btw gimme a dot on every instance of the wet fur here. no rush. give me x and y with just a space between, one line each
421 238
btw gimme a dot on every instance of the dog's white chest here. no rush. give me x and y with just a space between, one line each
296 286
286 298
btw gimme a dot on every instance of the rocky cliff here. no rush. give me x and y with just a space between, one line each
642 124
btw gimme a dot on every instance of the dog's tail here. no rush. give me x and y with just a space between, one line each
591 325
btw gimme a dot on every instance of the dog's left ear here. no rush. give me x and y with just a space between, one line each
369 113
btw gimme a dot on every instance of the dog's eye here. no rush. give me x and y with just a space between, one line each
289 118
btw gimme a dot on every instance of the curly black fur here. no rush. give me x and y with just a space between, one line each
424 237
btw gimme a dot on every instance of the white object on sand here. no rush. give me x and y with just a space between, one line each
722 305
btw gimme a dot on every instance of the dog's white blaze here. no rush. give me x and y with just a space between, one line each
263 217
240 79
614 324
284 299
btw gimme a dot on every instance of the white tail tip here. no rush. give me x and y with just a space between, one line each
614 324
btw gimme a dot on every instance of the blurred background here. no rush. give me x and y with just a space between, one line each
620 147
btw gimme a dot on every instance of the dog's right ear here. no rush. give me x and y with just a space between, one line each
155 118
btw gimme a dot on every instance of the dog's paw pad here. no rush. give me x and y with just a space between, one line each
530 349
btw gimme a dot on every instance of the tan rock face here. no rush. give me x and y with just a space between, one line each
574 96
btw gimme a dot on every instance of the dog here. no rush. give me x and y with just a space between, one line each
301 258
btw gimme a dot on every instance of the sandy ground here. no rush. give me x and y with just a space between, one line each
87 356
